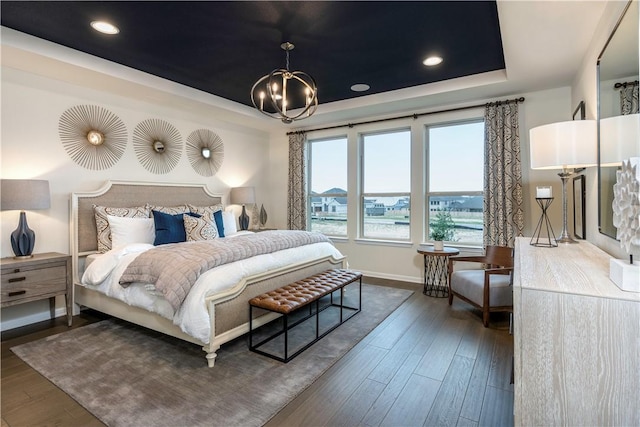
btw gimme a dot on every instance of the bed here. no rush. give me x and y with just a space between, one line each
225 310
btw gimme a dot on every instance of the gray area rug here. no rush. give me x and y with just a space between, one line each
130 376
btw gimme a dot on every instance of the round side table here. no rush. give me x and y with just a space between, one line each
436 277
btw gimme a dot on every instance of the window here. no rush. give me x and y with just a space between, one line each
455 155
327 193
386 185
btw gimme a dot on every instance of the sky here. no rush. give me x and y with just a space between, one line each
455 156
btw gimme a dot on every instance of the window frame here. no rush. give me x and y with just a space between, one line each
361 183
429 194
309 179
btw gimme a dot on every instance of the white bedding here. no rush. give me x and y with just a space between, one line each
103 273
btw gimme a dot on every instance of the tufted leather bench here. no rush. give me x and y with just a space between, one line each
288 299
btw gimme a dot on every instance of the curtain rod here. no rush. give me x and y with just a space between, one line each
414 116
625 84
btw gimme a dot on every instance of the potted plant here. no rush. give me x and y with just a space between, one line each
442 229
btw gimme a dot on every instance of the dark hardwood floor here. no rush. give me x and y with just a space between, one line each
426 364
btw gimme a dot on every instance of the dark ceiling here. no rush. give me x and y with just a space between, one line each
223 47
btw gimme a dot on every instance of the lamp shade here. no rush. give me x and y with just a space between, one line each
619 139
242 196
24 194
561 145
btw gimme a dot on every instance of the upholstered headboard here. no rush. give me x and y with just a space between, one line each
126 194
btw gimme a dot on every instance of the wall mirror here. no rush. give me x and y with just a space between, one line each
617 100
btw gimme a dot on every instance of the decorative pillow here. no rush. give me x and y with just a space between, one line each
173 210
217 216
102 223
212 214
130 230
198 229
229 222
169 228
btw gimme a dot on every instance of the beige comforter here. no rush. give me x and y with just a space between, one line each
174 268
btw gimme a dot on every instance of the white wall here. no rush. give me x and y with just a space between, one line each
401 261
31 148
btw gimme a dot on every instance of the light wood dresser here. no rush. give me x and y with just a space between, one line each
576 339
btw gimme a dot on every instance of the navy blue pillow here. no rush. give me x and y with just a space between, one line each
217 216
170 228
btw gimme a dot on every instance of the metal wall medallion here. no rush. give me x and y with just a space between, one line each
94 137
157 145
205 151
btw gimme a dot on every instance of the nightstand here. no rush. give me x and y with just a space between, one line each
44 275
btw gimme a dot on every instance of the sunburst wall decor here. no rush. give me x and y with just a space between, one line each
94 137
205 151
157 145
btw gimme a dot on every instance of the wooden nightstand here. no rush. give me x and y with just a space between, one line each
42 276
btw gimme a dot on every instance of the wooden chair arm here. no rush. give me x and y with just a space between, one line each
477 258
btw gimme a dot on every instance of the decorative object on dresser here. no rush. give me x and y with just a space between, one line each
41 276
24 194
569 146
575 340
282 91
626 219
205 151
157 145
94 137
543 230
243 196
263 217
254 222
490 288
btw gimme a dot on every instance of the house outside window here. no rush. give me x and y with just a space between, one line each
455 175
386 185
327 192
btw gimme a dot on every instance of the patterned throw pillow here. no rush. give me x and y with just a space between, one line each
211 214
102 223
198 229
171 210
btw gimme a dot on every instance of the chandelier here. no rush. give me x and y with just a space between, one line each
281 91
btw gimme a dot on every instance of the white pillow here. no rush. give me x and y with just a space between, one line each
229 222
131 230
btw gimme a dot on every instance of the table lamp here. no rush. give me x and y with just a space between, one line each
242 196
568 146
24 194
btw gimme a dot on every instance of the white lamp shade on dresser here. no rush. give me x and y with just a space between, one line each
561 145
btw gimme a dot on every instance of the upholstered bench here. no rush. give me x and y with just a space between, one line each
288 300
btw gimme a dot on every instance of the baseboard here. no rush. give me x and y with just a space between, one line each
29 319
401 278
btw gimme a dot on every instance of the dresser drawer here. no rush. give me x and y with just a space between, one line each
27 283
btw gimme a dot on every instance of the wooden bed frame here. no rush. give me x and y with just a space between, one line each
228 310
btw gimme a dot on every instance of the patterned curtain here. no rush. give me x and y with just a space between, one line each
629 99
503 212
297 200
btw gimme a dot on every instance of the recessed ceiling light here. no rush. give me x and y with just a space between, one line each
360 87
432 60
105 27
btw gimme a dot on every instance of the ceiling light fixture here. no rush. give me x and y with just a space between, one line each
104 27
281 91
432 60
360 87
